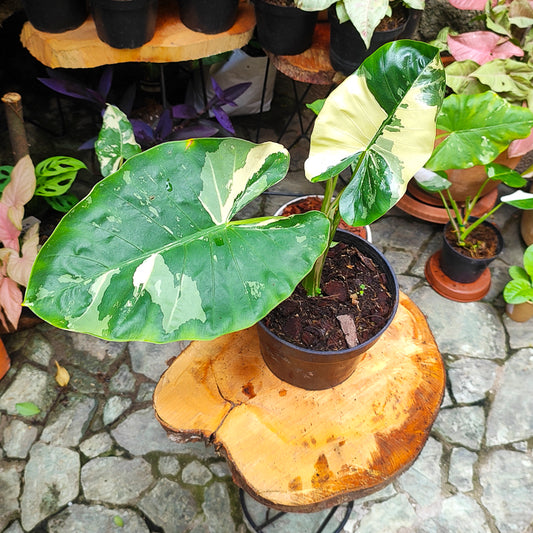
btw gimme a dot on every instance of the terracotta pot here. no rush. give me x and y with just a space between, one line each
5 361
208 16
284 30
317 370
526 224
519 312
315 202
462 268
467 181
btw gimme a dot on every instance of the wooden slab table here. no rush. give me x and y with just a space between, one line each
172 42
303 451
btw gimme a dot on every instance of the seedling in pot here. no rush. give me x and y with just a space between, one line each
461 216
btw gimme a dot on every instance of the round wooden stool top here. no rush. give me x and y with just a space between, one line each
303 451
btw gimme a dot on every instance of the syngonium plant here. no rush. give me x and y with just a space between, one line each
155 252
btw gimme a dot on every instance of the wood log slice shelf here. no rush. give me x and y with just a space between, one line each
172 42
303 451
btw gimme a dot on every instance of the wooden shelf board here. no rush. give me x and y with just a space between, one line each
172 42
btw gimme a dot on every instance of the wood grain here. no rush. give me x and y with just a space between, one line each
302 451
172 42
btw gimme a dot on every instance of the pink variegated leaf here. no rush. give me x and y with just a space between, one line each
19 191
19 267
520 147
9 234
481 47
470 5
10 302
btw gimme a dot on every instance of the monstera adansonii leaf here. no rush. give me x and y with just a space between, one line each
153 253
380 121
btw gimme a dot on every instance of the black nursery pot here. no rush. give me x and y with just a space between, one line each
347 49
284 30
318 370
208 16
464 269
125 23
56 16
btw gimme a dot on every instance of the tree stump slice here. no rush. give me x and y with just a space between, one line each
302 451
313 65
172 42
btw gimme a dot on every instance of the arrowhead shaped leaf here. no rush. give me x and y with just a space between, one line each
381 119
479 127
153 253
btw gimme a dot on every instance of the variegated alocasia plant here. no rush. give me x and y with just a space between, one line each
365 15
156 253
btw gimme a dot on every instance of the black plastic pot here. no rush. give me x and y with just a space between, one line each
208 16
317 370
464 269
284 30
347 49
56 16
125 23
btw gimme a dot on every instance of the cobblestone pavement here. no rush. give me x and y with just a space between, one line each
96 460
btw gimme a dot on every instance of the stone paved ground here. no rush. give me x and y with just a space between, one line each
96 460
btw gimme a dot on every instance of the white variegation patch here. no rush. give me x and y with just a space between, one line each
348 118
154 277
218 192
90 320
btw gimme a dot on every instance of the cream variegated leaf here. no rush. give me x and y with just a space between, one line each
383 127
181 266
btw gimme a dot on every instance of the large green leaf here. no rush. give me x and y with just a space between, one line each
478 127
381 120
153 254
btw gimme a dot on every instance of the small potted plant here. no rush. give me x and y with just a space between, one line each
208 16
56 16
518 292
125 23
472 131
359 28
469 243
183 266
282 27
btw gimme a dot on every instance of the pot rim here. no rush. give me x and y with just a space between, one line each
279 211
496 230
348 352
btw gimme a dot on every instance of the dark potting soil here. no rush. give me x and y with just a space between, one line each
482 243
398 17
355 304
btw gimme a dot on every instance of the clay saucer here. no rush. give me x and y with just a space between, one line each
453 290
422 205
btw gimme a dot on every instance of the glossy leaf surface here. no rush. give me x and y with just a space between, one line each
381 120
153 253
477 129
